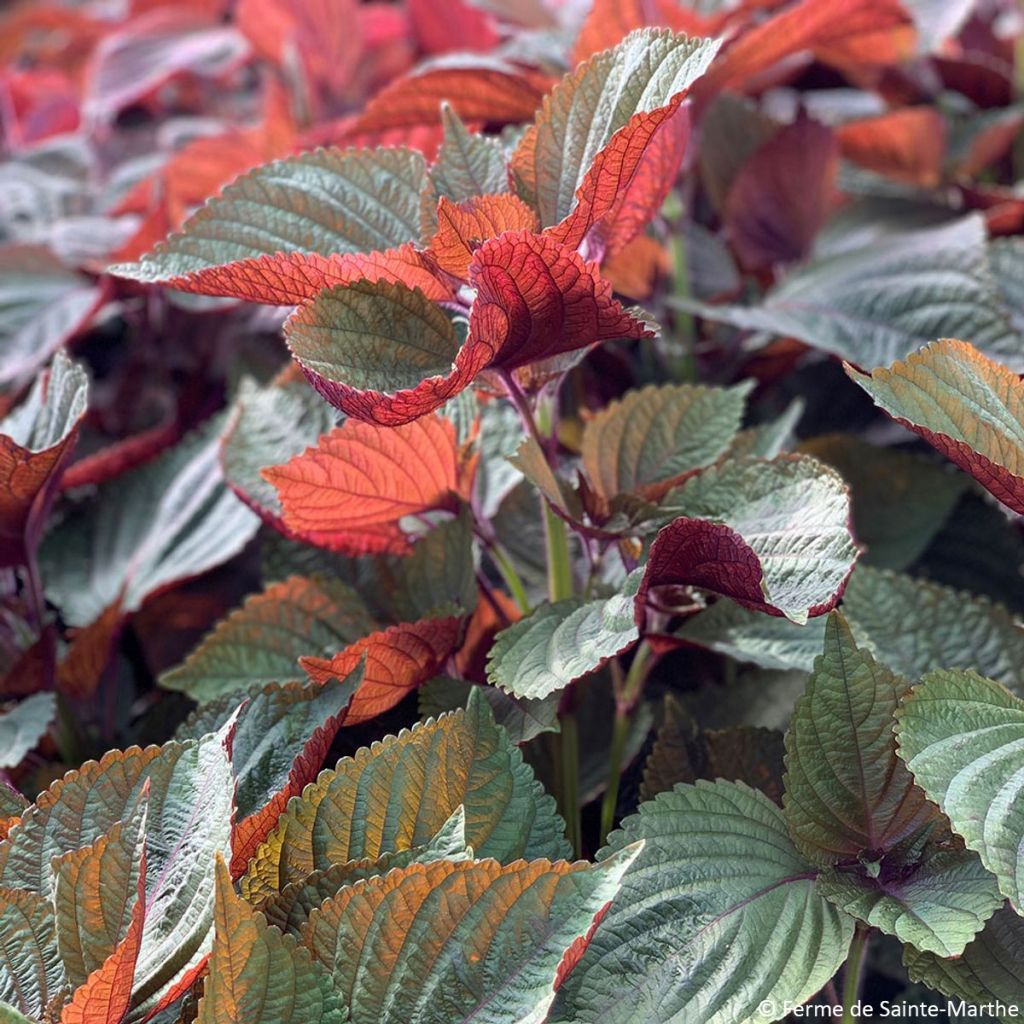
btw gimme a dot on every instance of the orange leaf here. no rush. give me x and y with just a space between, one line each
106 994
907 145
634 271
82 668
398 659
462 227
610 21
494 611
350 492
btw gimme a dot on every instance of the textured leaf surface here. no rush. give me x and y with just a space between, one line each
166 522
914 625
31 972
189 819
872 306
558 643
585 110
462 227
468 164
490 939
23 726
771 535
258 975
963 738
969 407
325 201
350 492
718 913
270 425
654 436
847 793
262 641
282 736
36 441
990 970
396 660
938 907
406 787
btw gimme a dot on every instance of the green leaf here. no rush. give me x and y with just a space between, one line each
938 906
94 893
270 425
990 971
446 943
963 738
260 976
582 113
558 643
9 1015
914 625
53 407
683 752
900 501
374 336
771 438
969 407
190 808
766 640
717 914
847 793
468 164
405 788
873 305
262 641
290 909
31 973
324 201
521 718
651 437
166 522
24 726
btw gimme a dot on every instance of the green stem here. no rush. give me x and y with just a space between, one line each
560 582
852 974
570 757
512 579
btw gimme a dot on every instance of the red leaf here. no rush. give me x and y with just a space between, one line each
494 611
572 956
350 492
398 660
483 90
462 227
635 270
290 278
907 145
82 668
454 25
121 456
537 298
106 994
628 180
781 196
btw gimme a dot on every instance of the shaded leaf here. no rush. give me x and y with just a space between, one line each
771 535
962 736
396 660
969 407
468 164
558 643
674 945
24 725
406 787
262 641
907 145
491 938
258 975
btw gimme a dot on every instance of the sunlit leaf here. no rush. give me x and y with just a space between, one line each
23 726
31 972
969 407
462 227
676 944
406 787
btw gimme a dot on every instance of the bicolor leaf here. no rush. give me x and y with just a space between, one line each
31 973
463 227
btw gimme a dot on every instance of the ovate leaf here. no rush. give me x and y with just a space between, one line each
847 793
350 492
969 407
772 535
558 643
262 641
24 725
490 940
938 906
395 661
718 913
36 441
324 201
258 975
405 788
962 736
653 437
468 164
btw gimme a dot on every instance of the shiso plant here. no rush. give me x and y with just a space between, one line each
603 606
